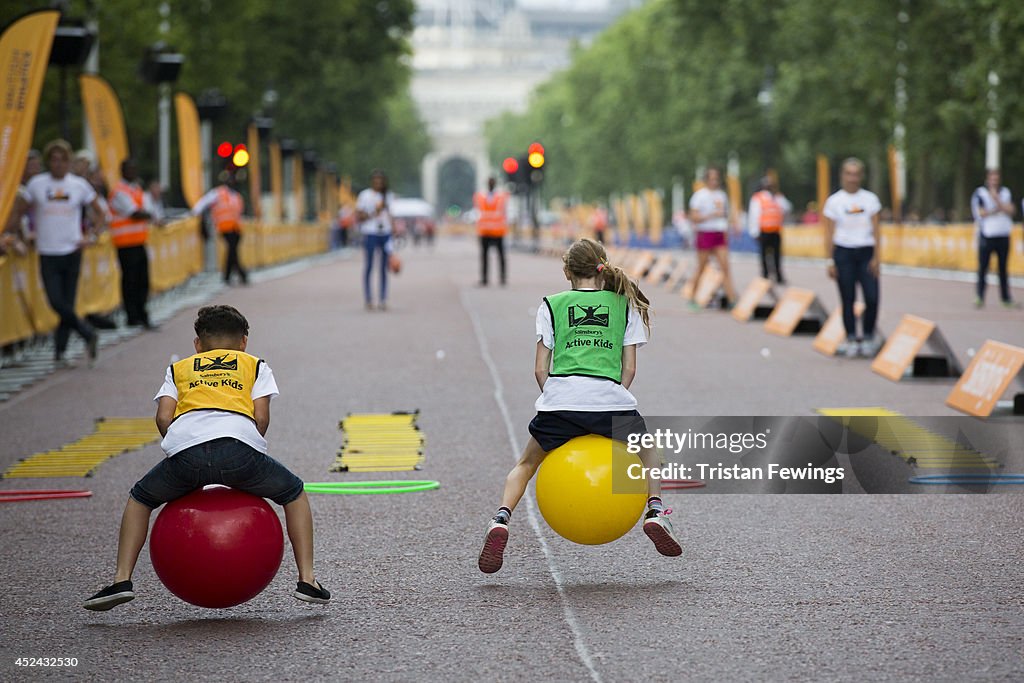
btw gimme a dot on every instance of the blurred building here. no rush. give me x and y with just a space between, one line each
473 60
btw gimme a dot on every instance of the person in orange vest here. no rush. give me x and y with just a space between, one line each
226 207
129 229
599 222
765 216
491 225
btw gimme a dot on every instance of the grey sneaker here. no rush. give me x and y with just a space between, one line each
869 347
659 529
848 349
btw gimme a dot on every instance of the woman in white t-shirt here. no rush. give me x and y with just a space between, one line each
853 239
992 207
373 210
709 211
56 200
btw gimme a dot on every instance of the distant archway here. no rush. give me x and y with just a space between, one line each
456 182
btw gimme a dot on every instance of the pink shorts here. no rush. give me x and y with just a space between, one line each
707 240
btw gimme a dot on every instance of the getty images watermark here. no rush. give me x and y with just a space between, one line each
670 441
827 453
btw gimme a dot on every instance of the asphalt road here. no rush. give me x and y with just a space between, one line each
770 587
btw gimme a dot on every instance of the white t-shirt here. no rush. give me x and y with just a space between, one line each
996 224
375 225
705 201
852 213
589 394
199 426
57 211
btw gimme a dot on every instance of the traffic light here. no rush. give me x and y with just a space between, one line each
511 167
225 149
240 157
535 155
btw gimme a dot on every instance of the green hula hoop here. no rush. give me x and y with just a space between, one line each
367 488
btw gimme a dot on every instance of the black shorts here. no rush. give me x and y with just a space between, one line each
552 429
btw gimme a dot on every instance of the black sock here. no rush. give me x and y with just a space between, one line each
654 503
504 515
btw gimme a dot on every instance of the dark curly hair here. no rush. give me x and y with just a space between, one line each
220 322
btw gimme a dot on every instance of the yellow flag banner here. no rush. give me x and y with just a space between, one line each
735 191
298 187
193 185
106 123
255 181
824 185
276 181
24 53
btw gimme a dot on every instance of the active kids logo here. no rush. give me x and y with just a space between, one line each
593 316
226 362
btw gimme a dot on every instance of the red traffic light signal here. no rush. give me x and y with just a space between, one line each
225 149
535 148
510 165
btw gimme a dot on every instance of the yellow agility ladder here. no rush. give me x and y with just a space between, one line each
111 437
380 442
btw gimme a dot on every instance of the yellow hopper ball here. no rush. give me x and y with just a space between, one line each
576 495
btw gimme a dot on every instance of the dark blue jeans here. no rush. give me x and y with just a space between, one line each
1000 246
851 269
60 280
220 461
373 244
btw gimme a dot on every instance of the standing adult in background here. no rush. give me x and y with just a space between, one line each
992 207
129 231
599 222
853 239
709 211
374 214
226 206
56 200
491 226
765 216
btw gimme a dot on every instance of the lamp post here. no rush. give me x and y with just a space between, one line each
211 105
766 99
72 43
160 66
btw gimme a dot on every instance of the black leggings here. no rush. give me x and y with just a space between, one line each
134 283
497 243
232 263
1001 247
771 242
60 279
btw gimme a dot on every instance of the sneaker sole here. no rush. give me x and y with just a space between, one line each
663 541
310 598
108 602
493 554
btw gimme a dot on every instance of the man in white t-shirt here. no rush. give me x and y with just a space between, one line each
213 411
56 200
373 210
852 239
992 207
709 212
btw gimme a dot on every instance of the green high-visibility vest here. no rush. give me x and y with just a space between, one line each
589 329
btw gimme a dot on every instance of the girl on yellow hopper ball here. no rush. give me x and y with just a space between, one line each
584 386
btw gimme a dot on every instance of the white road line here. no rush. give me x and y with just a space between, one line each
531 507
